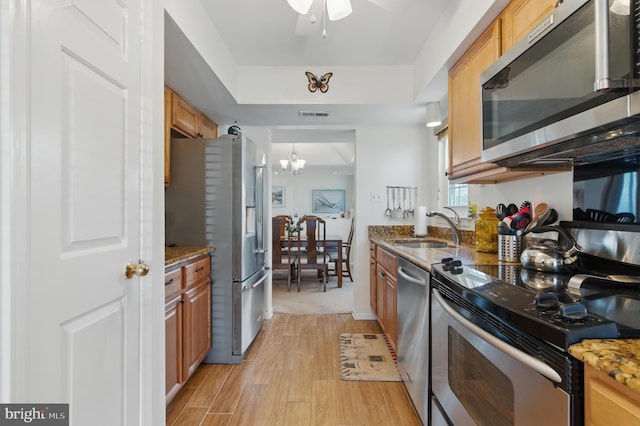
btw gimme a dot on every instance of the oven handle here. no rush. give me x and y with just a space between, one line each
528 360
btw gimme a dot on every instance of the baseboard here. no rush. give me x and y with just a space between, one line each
361 316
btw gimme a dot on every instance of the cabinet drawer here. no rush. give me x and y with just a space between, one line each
197 270
387 260
172 282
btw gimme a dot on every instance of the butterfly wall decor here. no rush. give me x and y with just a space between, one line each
316 82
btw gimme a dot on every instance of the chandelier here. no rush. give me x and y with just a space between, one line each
294 164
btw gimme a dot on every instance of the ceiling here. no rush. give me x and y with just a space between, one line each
378 32
263 33
270 33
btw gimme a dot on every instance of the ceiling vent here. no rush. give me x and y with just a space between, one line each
314 113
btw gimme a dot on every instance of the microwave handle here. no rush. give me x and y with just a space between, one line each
524 358
603 81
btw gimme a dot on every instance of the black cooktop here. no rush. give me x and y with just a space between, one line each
542 304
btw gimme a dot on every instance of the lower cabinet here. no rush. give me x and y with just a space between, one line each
373 288
197 325
608 402
187 321
386 285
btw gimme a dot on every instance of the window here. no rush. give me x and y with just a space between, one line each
454 194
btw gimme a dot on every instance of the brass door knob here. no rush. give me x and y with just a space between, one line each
141 269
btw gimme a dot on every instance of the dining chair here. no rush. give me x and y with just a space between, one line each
346 255
284 224
282 258
311 248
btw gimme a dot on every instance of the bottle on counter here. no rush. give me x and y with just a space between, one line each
487 231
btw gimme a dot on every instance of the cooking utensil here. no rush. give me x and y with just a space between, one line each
552 218
501 211
549 255
397 212
405 212
388 211
504 229
512 209
540 211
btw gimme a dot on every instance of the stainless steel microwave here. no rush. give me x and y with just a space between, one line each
566 94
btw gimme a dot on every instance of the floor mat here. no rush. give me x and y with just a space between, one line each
367 357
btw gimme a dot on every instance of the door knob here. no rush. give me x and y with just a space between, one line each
141 269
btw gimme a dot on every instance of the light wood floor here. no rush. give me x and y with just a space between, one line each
290 376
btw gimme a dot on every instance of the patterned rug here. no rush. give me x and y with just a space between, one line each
367 357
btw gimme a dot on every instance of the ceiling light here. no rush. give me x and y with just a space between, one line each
294 164
433 114
338 9
300 6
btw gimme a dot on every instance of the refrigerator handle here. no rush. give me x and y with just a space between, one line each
259 282
260 170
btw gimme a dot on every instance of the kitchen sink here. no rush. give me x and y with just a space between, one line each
421 243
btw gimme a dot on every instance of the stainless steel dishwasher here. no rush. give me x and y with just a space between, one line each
413 333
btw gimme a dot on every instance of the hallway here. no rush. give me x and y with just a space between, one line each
290 376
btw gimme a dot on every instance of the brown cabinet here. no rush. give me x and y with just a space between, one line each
464 104
173 331
387 292
187 321
608 402
206 128
465 136
373 288
182 117
520 17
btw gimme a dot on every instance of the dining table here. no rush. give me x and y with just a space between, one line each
334 242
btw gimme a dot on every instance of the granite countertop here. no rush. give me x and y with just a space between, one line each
386 236
175 256
618 358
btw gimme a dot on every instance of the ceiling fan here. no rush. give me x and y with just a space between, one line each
310 11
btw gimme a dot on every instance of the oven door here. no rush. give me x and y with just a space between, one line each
479 379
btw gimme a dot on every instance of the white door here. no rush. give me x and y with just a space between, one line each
86 121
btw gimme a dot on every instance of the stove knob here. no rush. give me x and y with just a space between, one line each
573 311
547 302
452 265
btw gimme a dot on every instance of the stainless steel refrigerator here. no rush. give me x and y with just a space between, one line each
216 199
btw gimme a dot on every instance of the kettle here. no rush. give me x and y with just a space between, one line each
549 255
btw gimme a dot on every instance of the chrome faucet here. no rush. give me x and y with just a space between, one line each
456 216
454 229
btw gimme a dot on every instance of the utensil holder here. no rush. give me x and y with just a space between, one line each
510 247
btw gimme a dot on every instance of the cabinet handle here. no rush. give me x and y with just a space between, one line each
200 269
168 282
383 273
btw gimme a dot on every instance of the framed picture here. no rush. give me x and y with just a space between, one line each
278 196
327 200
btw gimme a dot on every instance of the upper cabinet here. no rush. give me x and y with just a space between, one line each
465 119
464 102
520 17
182 117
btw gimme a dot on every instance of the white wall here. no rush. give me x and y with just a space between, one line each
384 156
298 197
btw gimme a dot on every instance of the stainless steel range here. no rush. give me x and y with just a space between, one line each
500 335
